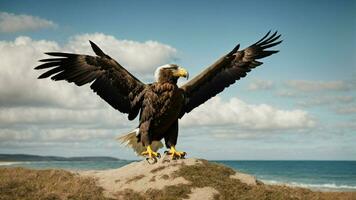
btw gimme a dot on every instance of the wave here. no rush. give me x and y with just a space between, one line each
14 163
326 186
10 163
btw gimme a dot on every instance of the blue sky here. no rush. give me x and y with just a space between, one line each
310 83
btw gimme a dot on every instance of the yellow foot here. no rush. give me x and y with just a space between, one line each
152 156
176 154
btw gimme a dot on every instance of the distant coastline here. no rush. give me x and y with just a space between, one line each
9 158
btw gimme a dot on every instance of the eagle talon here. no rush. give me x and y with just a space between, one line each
151 154
176 154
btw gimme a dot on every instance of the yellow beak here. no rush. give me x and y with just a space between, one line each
181 72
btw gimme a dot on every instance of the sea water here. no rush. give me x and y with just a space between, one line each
317 175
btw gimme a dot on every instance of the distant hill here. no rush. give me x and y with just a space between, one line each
27 157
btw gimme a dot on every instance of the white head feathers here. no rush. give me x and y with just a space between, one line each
158 70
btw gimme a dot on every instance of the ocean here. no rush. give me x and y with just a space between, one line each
316 175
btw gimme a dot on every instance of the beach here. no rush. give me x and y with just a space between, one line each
183 179
314 175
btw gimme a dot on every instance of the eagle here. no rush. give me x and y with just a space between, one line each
162 103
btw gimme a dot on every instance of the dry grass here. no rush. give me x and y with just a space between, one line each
158 169
153 179
218 176
165 177
172 192
168 193
20 183
129 194
135 178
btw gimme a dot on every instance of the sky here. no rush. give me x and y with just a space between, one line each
299 105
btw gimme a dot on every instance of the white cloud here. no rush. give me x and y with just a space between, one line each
74 135
348 125
139 57
38 112
312 86
259 84
10 23
54 135
19 85
287 93
104 118
325 100
350 109
217 112
15 135
18 80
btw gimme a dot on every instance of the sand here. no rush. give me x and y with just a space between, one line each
142 176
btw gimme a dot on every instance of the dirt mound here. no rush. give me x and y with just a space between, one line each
194 179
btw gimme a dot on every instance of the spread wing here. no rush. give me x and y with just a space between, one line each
226 71
110 80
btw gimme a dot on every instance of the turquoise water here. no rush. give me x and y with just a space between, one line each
320 175
69 165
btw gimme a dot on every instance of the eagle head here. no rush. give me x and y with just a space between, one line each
170 73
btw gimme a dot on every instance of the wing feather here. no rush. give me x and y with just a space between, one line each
226 71
109 79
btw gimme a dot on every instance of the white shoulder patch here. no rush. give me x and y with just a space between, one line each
158 69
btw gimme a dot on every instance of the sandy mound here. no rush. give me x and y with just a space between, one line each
143 177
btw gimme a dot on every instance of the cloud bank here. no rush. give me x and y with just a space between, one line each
10 23
139 57
18 81
312 86
38 112
217 112
259 84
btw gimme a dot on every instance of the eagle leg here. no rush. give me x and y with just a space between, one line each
151 154
176 154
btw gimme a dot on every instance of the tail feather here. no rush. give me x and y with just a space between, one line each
130 140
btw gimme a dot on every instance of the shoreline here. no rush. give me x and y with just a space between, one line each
324 187
190 178
327 187
9 163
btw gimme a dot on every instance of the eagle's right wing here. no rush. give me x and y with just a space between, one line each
225 71
110 80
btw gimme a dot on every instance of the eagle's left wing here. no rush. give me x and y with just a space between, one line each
226 71
111 81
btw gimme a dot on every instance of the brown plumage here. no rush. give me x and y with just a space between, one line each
161 103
